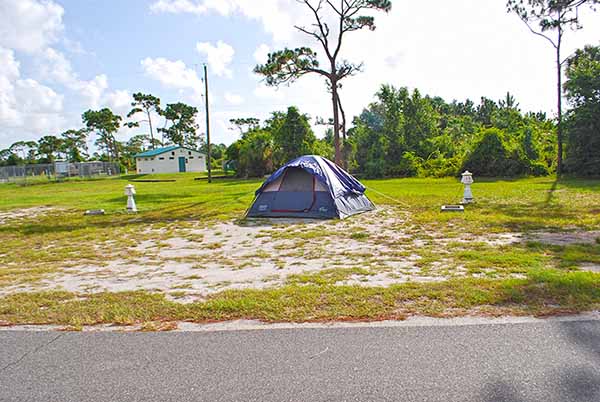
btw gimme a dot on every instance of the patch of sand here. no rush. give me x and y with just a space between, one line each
590 267
23 213
199 261
565 239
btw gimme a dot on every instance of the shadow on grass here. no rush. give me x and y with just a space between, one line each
232 181
568 256
550 195
529 216
150 198
573 291
588 183
270 222
133 176
182 213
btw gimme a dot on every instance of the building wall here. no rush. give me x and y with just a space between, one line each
168 162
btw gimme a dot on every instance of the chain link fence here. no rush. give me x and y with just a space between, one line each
57 171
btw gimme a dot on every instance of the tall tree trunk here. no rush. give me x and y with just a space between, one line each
343 127
336 122
115 147
151 133
559 128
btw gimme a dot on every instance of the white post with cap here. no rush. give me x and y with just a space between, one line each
130 192
467 180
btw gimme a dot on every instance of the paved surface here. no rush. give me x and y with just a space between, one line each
549 361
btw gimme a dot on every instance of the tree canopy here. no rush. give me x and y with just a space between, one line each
144 103
556 16
105 124
182 127
583 121
287 65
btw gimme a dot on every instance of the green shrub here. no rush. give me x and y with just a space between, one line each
490 155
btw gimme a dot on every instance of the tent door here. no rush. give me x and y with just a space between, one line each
296 193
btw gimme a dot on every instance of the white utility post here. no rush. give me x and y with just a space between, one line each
130 192
467 180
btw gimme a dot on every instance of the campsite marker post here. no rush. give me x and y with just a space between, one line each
130 192
467 180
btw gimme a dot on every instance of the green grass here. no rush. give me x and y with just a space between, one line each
543 293
32 248
184 198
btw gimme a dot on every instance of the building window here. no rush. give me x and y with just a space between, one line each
173 153
189 152
191 157
171 158
147 159
161 159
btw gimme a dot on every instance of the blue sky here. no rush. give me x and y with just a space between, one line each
60 57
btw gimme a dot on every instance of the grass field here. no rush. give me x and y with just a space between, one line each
529 246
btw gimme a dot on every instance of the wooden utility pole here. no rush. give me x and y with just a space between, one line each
208 167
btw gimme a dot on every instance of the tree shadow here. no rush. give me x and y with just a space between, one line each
236 181
550 195
150 198
586 336
579 382
270 222
581 183
500 391
178 213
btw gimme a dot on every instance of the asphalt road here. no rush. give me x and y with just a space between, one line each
548 361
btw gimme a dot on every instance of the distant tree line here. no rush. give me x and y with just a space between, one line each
405 133
264 147
402 133
178 127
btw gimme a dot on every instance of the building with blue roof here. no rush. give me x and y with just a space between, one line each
171 159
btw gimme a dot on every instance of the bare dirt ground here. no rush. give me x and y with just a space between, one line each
23 213
564 239
379 248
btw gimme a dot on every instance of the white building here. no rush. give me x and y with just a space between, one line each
171 159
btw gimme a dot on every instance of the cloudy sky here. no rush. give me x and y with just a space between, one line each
59 58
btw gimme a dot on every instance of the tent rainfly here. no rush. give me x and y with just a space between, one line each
310 187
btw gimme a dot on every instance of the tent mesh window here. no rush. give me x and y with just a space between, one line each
297 180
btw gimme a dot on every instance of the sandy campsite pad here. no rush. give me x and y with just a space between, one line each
23 213
566 238
379 248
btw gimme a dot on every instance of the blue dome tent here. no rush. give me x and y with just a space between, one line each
310 187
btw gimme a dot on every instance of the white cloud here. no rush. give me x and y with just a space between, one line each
75 47
119 101
27 108
178 7
59 68
9 73
261 53
233 99
276 16
173 74
34 97
265 92
29 25
219 57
